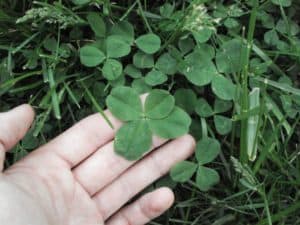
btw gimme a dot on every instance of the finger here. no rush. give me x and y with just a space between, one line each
89 172
139 176
14 125
81 140
144 209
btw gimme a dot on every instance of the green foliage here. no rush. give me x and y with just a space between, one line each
91 56
97 24
159 104
116 46
72 58
148 43
175 125
206 178
125 104
207 150
133 139
112 69
155 77
158 116
183 171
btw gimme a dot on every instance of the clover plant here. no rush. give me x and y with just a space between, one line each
157 116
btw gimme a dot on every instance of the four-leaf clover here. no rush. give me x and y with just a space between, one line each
157 116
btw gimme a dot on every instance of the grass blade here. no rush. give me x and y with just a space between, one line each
253 124
96 105
54 97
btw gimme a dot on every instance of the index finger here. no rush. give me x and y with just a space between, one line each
83 139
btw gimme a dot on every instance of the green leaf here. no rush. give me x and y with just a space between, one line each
221 106
166 10
112 69
206 178
159 104
91 56
231 23
186 99
117 47
222 124
173 126
81 2
228 58
271 37
133 139
125 104
203 35
183 171
120 81
198 69
166 64
50 44
203 109
155 77
148 43
140 86
284 3
186 45
125 30
223 88
207 149
97 24
206 51
132 71
142 60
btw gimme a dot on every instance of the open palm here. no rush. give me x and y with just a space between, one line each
77 179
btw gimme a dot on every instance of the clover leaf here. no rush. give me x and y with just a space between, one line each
228 58
198 69
97 24
155 77
166 64
221 106
159 116
117 47
112 69
132 71
125 104
173 126
186 99
207 149
223 87
183 171
91 56
142 60
222 124
133 139
159 104
148 43
203 109
125 30
206 178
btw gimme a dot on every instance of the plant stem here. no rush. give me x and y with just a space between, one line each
245 91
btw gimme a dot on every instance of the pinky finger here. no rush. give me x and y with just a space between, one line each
144 209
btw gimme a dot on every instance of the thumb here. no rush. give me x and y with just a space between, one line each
13 126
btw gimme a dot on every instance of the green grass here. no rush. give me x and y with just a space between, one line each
220 51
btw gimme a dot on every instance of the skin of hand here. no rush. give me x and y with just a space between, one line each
77 179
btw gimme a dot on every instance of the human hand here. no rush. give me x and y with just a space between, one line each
77 179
